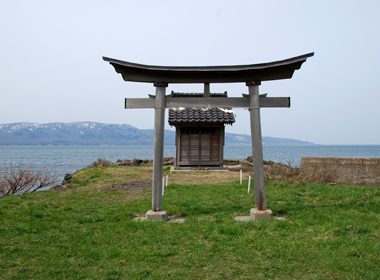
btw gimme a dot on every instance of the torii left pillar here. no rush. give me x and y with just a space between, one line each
157 213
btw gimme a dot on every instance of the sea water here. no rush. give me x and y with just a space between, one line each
68 159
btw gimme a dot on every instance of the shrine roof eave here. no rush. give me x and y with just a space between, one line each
276 70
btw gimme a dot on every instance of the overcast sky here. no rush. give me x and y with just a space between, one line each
51 67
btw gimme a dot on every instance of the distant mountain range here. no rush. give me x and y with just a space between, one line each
93 133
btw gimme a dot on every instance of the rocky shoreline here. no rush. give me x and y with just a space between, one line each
143 162
64 184
170 161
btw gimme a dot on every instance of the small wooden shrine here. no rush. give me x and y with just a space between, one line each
199 133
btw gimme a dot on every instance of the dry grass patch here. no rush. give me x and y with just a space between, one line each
132 183
98 178
202 177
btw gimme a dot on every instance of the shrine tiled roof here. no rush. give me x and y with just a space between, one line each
201 115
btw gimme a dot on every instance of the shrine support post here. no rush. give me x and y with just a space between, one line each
158 154
260 212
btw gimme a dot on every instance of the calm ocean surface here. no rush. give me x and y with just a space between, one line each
68 159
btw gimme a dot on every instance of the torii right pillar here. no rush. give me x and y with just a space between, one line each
261 211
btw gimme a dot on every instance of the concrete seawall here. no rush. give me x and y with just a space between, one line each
349 170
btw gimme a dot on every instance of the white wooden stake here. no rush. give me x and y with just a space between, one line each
249 184
163 186
241 177
167 178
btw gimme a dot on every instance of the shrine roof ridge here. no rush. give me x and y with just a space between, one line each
282 69
200 115
197 94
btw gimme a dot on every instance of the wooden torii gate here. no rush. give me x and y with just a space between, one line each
252 75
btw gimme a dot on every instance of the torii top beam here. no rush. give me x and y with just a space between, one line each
282 69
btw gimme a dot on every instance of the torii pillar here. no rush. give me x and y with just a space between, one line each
252 75
158 154
261 211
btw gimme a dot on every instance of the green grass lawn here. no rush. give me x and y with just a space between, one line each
330 232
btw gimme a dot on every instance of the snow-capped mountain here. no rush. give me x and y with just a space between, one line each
78 133
93 133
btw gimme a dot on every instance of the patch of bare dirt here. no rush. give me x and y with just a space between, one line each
133 186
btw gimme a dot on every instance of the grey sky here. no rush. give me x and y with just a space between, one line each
51 67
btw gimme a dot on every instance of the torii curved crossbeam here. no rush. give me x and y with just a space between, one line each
282 69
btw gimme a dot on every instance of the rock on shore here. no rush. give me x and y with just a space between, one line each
143 162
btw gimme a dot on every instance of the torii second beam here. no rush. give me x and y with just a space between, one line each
216 102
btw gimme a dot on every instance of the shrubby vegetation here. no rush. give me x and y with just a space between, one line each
293 174
100 162
25 179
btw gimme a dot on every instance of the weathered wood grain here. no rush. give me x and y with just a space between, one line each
204 102
257 147
158 148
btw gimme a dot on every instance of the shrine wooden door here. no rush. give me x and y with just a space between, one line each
200 146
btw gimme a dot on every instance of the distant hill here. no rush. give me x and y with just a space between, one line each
93 133
244 139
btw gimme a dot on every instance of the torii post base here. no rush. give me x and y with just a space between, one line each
157 215
256 214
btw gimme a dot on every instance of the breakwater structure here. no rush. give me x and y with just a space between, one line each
348 170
